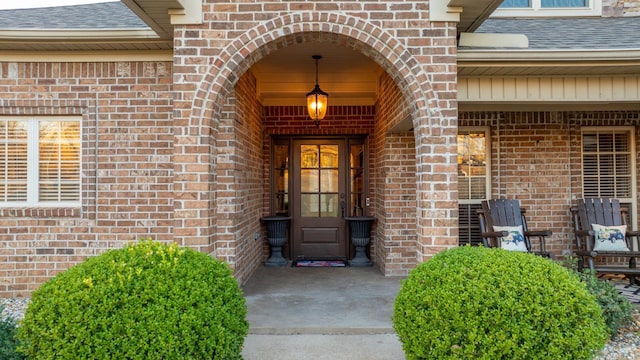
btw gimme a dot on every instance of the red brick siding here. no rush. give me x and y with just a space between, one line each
394 180
239 184
340 120
132 102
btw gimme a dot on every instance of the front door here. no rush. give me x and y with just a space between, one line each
319 186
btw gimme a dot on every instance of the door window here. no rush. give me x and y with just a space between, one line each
319 190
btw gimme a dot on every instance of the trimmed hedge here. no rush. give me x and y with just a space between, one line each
8 341
616 308
144 301
480 303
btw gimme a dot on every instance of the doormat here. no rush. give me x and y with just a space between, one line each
319 263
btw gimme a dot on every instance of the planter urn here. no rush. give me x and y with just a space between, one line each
277 237
360 232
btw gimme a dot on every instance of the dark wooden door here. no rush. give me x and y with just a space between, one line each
318 228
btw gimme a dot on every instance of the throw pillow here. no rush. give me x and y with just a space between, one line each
610 238
514 240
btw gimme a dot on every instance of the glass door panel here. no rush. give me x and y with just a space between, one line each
281 179
356 173
319 180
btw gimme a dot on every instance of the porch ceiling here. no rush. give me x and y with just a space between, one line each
285 77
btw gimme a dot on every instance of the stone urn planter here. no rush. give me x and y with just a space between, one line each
360 232
277 237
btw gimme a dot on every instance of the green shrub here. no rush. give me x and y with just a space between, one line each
616 309
8 341
479 303
145 301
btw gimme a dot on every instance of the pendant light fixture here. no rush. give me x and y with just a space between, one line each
317 100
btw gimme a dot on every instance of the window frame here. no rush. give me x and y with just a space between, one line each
487 134
33 163
466 231
536 10
630 132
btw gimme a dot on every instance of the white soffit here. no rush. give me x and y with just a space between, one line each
490 63
77 34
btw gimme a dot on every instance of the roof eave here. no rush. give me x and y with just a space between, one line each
564 55
77 34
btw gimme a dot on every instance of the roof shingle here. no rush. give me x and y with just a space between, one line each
571 33
100 16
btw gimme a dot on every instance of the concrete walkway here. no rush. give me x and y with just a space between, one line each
330 313
321 313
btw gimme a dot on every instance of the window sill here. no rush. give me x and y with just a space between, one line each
63 212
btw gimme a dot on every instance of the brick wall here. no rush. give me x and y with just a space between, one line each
394 180
127 142
239 184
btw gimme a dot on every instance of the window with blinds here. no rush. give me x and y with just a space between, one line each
607 164
473 181
39 161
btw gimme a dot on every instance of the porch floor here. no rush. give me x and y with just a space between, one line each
321 313
330 313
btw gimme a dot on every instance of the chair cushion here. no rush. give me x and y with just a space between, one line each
515 239
610 238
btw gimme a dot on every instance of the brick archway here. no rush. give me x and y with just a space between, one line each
410 75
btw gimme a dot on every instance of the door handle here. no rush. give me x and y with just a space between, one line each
342 206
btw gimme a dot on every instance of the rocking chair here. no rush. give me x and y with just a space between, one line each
603 237
503 224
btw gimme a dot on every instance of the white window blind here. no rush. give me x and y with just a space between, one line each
13 171
39 161
607 164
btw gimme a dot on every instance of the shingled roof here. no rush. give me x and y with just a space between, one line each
571 33
543 33
99 16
